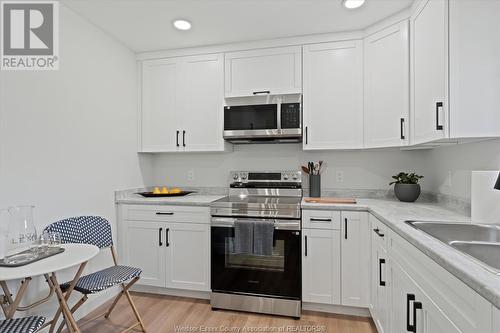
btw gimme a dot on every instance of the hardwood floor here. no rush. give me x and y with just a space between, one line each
168 314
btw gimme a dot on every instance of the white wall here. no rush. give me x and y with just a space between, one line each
369 169
68 137
460 160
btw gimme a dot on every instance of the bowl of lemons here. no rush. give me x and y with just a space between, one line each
163 191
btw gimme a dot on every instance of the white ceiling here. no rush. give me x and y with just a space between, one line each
146 25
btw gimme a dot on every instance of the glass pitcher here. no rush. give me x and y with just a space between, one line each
22 232
4 231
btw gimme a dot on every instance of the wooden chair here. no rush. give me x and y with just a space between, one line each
97 231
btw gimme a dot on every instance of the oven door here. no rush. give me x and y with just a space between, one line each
278 274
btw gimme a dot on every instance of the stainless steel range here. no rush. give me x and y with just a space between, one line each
256 244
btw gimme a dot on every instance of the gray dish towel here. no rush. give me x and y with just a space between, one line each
243 237
263 234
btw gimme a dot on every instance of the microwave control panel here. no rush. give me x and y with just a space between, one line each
290 115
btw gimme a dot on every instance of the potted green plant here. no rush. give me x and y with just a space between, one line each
406 186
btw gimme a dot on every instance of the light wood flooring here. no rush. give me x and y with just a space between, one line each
165 314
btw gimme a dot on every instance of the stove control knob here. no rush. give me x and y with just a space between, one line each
285 177
295 177
243 176
235 176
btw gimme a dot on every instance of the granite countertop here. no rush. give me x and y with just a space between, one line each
200 198
395 213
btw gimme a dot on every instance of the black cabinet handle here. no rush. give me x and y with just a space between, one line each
177 139
261 92
402 124
313 219
306 135
377 231
166 234
160 243
184 138
305 246
416 306
164 213
380 282
439 105
345 228
409 298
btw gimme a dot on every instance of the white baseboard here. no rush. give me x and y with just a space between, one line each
337 309
172 292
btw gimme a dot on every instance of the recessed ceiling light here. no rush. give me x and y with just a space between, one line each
351 4
182 24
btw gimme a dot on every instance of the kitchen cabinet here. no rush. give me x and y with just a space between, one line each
355 259
455 71
333 95
274 71
321 266
170 244
496 319
182 104
386 87
380 284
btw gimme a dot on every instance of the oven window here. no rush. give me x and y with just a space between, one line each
250 117
274 262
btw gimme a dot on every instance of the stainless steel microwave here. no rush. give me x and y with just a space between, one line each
263 123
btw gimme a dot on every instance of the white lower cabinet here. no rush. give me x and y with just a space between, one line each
321 266
171 252
380 283
355 258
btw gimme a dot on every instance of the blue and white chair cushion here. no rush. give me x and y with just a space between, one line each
93 230
104 279
21 325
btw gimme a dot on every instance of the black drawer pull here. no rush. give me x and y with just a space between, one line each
380 262
377 231
184 138
439 105
345 228
160 243
409 298
177 138
166 234
305 246
402 123
261 92
164 213
416 306
314 219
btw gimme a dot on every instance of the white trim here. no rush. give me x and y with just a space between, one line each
337 309
171 292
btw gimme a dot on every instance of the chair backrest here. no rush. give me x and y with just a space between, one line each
93 230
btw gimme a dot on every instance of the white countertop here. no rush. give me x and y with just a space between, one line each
395 213
193 199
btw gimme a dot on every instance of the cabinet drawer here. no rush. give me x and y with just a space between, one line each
321 219
166 213
379 232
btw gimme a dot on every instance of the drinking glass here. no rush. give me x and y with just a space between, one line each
44 242
55 239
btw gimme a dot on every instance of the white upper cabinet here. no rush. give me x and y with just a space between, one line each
429 25
459 40
159 111
333 95
182 104
387 92
273 71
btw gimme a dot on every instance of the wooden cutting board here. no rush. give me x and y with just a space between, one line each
331 200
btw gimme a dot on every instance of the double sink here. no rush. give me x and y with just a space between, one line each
479 241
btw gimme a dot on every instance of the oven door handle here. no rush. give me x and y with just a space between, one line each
228 222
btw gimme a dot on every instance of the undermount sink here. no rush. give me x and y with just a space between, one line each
479 241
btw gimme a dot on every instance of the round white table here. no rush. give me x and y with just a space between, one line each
73 255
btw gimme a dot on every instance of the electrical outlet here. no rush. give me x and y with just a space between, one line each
190 175
448 179
339 176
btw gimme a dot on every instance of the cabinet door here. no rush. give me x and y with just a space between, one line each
333 95
202 95
187 257
380 286
264 71
321 266
386 79
143 246
429 65
159 112
356 240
